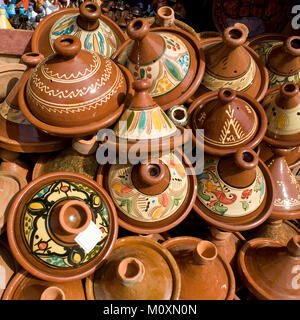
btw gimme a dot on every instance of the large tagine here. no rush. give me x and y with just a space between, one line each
205 275
169 58
23 286
137 269
61 227
74 92
96 31
231 63
270 270
281 56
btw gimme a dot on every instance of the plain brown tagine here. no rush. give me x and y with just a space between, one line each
170 58
205 275
137 269
74 92
231 63
62 226
95 31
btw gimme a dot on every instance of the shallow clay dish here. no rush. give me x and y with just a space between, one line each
47 217
137 269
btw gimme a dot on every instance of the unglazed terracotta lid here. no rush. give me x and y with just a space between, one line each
96 31
270 269
204 273
169 58
229 120
137 269
235 193
61 226
151 197
23 286
74 92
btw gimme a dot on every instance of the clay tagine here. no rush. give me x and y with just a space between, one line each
169 58
270 270
281 56
231 63
96 31
229 120
137 269
235 193
61 227
16 133
23 286
74 92
205 275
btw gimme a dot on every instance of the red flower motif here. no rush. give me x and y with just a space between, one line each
43 245
64 188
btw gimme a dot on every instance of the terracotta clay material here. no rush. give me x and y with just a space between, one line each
169 57
270 269
205 275
244 70
86 145
230 119
179 115
23 286
235 193
16 133
93 88
95 31
137 269
43 237
151 197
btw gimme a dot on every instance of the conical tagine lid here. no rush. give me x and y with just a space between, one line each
95 31
270 270
137 269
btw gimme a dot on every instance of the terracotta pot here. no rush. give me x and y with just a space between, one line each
24 286
270 269
16 133
137 269
151 197
169 57
231 63
179 115
230 120
95 31
235 193
53 243
281 55
89 84
205 275
10 73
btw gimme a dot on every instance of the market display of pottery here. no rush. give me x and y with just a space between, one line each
143 157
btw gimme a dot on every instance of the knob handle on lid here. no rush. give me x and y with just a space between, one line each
236 35
90 12
67 46
53 293
205 252
131 271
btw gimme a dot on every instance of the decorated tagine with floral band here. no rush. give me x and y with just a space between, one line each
74 92
231 63
61 227
137 269
94 29
170 58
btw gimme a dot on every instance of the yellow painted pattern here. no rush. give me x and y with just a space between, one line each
156 121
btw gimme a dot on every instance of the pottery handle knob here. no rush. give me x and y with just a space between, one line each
53 293
165 16
85 146
131 271
141 97
152 173
32 59
289 89
205 252
293 246
292 45
89 13
138 29
246 159
226 95
67 46
236 35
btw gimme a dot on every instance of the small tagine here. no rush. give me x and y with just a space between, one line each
137 269
23 286
74 92
95 31
270 270
205 275
16 133
229 120
231 63
281 56
169 58
235 192
61 227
